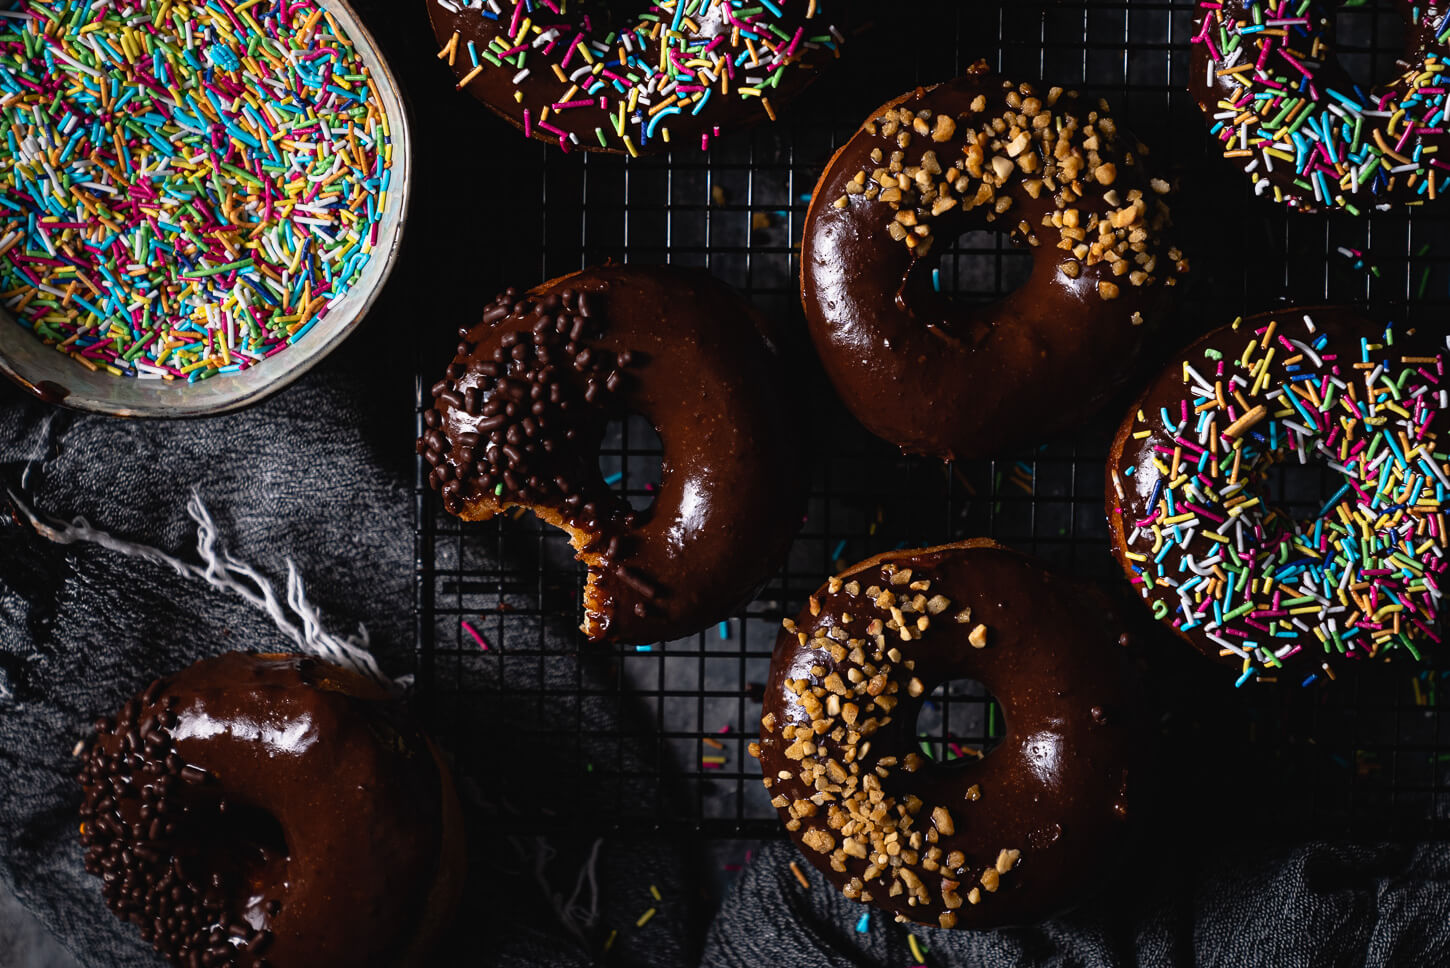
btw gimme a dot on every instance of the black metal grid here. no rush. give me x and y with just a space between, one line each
624 732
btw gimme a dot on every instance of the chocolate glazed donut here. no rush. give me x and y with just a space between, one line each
940 378
1010 839
1284 109
587 75
1255 581
518 419
272 810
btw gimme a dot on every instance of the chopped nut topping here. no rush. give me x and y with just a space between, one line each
1017 148
978 637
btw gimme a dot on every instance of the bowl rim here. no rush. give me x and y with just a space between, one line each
390 92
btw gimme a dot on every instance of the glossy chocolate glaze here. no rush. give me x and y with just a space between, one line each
1133 477
359 858
495 86
1208 86
943 378
1058 789
690 355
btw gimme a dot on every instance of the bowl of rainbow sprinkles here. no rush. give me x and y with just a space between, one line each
198 200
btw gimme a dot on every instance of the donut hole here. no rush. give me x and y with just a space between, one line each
242 843
631 458
980 267
960 722
1369 38
1299 489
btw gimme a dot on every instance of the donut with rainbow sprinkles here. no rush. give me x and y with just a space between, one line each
1280 594
1284 108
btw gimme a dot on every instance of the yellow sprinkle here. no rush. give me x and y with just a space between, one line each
643 918
915 946
656 892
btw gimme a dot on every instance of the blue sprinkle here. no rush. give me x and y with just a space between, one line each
223 57
614 478
864 925
840 547
644 648
936 279
1248 674
725 629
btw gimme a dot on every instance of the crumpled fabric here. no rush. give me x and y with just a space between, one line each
319 475
1316 905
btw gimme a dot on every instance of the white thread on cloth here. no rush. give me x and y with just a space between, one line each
575 917
296 616
42 448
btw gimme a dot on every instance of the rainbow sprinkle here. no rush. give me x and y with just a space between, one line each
670 61
187 187
1213 557
1285 112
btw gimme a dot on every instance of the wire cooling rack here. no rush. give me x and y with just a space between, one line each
654 738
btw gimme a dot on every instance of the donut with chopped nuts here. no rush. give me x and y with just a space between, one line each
942 378
518 418
1011 838
256 810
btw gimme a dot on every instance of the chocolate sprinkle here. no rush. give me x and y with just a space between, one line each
142 805
544 386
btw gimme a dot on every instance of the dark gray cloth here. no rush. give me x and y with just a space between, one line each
315 475
1313 906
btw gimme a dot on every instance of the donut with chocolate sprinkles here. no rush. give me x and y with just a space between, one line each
1061 177
1010 838
257 810
518 419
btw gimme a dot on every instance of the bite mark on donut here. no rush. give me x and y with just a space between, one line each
511 431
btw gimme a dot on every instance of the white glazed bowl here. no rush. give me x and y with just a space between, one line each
53 376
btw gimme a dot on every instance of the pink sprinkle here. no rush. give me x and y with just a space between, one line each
476 637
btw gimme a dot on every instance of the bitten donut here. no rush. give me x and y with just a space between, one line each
518 418
274 810
1010 839
1196 528
1284 109
942 378
660 73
